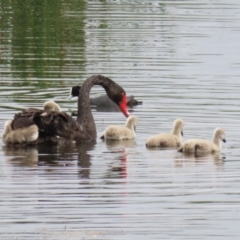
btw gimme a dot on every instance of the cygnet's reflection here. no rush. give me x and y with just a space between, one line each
118 167
120 143
27 156
217 158
117 149
59 155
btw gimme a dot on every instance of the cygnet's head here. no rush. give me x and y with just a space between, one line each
219 134
178 126
132 121
51 106
7 127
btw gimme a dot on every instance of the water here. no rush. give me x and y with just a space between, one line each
181 58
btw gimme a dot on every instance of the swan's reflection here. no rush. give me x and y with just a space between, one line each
84 158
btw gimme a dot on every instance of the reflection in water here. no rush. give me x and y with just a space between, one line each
84 158
118 150
216 158
27 156
56 155
162 153
40 35
181 59
117 169
120 143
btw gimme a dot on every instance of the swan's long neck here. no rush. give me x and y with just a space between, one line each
129 124
216 140
85 117
177 132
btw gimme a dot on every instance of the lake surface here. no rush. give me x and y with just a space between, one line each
181 58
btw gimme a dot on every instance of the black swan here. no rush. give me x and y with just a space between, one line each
103 101
54 126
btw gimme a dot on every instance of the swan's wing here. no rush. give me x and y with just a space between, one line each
52 125
62 125
25 118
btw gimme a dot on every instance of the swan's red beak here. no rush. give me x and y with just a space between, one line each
123 106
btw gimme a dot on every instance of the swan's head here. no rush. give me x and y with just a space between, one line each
118 95
219 134
74 91
114 91
51 106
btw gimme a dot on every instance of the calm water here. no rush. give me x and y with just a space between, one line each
181 58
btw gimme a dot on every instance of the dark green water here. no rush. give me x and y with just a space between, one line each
181 58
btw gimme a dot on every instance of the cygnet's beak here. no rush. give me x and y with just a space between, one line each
182 133
134 129
224 140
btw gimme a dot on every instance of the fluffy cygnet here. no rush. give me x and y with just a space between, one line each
205 146
6 130
51 106
121 132
20 135
168 140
